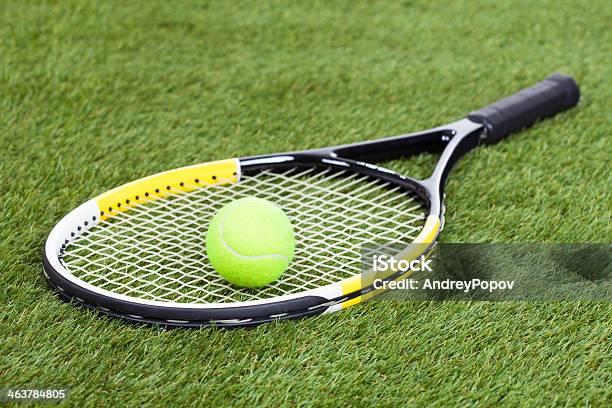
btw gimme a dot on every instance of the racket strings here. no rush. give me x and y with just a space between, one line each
156 251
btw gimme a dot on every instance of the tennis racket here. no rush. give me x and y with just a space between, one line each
137 252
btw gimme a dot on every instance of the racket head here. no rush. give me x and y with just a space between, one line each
138 252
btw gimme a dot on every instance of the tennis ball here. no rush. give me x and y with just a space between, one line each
250 242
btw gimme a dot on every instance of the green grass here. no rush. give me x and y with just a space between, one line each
97 94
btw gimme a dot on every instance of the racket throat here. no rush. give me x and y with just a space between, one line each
466 136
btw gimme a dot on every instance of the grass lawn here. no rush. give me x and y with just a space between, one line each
95 94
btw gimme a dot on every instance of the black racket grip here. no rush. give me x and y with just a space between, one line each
555 94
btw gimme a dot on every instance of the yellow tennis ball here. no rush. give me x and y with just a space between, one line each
250 242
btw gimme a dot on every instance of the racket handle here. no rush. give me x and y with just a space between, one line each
555 94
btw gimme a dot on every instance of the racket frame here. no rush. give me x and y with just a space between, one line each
456 139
